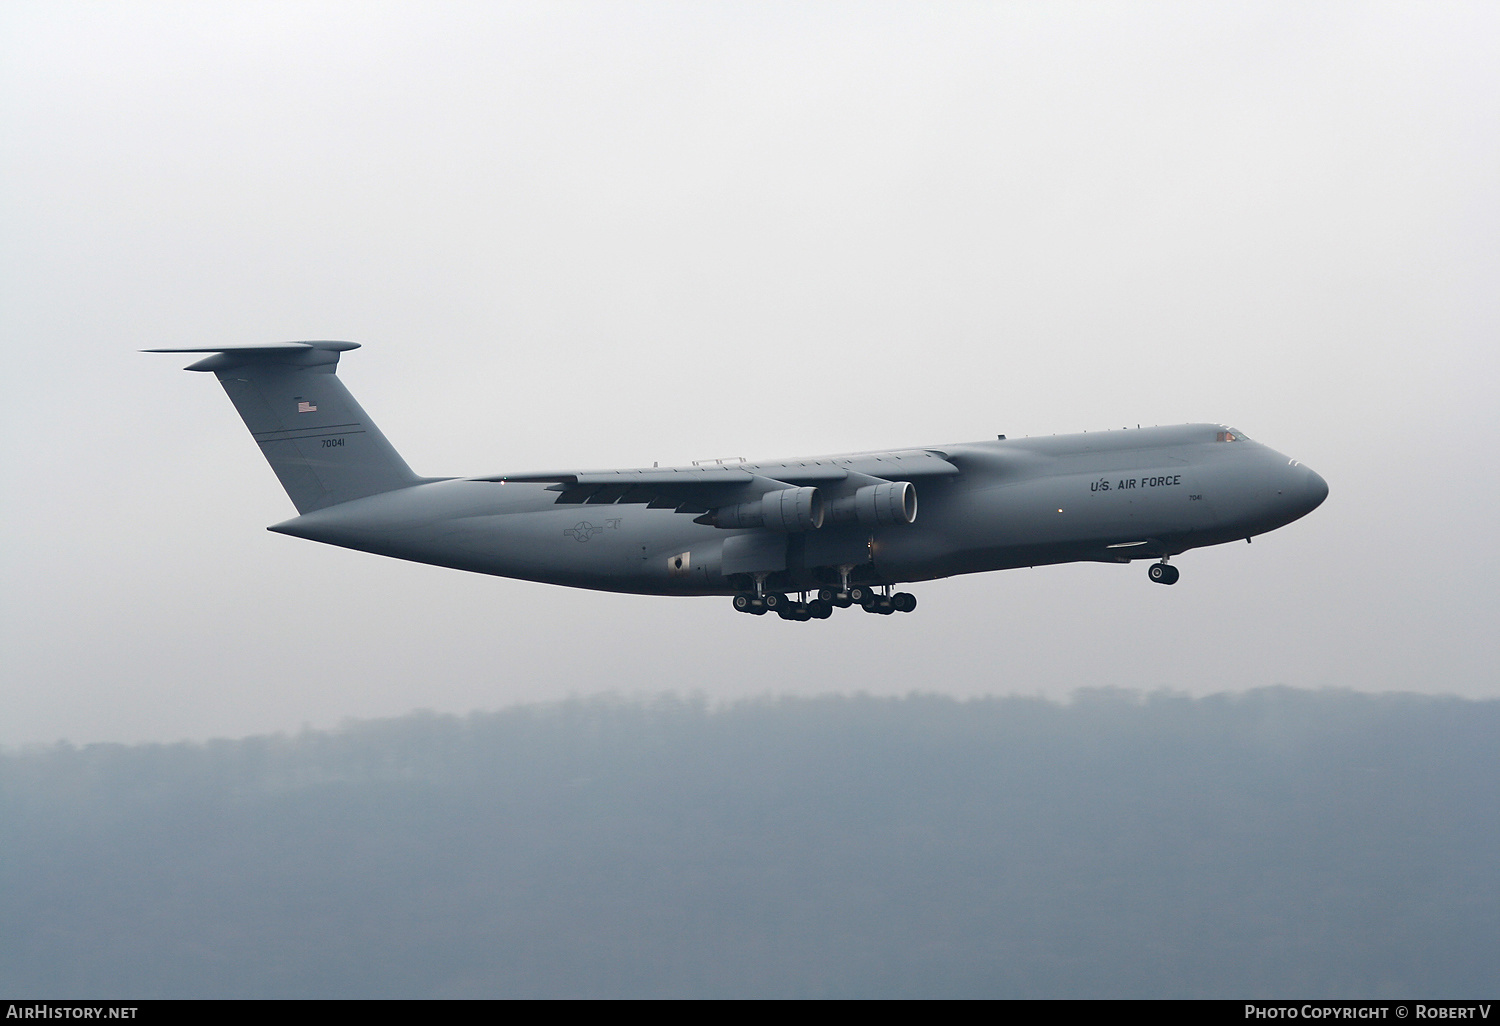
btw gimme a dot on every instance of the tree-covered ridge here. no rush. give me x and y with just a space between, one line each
1272 843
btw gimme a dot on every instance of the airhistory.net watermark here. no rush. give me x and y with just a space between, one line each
54 1010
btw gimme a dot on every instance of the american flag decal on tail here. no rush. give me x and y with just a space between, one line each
303 406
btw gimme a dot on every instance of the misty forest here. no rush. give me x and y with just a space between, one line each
1277 842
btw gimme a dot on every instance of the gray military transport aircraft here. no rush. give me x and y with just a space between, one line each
842 528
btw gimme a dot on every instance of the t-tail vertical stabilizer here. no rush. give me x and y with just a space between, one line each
318 440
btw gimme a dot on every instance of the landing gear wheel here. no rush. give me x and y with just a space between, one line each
820 608
775 601
747 602
1163 573
904 601
859 595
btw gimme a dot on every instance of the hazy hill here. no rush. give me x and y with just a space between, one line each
1276 843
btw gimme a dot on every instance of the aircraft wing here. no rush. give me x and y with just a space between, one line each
700 489
687 490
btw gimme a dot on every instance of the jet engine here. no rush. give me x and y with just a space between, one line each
790 510
894 502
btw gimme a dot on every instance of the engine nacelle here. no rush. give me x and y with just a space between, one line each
894 502
790 510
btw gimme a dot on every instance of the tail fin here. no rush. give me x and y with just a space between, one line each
321 444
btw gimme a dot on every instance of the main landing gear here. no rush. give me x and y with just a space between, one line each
782 606
1163 572
822 607
882 602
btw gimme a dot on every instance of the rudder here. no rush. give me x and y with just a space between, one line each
322 445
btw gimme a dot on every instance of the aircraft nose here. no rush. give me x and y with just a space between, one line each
1314 488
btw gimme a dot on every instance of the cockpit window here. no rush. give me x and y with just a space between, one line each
1231 435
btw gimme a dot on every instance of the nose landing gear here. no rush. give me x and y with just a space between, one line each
1163 573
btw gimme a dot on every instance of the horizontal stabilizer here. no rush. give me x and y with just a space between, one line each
303 354
336 346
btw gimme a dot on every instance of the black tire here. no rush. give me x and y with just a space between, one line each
1172 575
744 603
820 608
859 594
1158 572
775 600
904 601
826 594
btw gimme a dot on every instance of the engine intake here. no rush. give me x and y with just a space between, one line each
894 502
790 510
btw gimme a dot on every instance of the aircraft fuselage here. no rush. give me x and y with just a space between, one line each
1110 496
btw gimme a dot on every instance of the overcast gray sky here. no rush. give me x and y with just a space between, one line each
606 234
